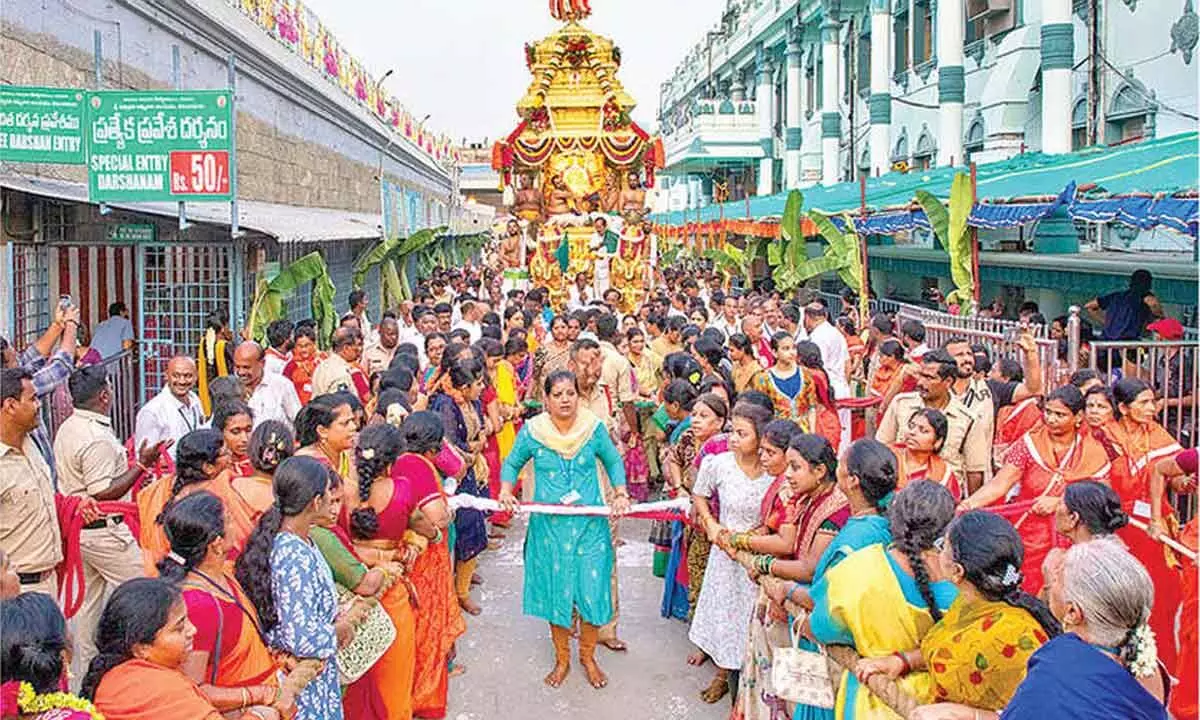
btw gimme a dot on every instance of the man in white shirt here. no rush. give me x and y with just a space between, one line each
358 307
174 412
579 293
472 311
728 321
270 396
115 334
279 335
912 337
834 356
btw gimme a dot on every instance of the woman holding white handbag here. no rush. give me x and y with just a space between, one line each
816 512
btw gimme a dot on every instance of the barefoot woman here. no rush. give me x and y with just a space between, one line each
568 558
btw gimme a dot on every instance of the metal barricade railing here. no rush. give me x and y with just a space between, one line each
929 315
1000 345
57 406
1172 368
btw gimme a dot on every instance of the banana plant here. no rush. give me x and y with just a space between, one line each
950 226
270 294
391 255
737 262
789 255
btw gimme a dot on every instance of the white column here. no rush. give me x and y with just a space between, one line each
764 97
881 86
793 116
831 117
1058 56
951 82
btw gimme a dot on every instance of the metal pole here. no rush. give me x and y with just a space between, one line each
1073 324
98 71
865 300
976 280
176 83
231 80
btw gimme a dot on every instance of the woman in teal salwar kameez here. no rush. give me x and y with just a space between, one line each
568 558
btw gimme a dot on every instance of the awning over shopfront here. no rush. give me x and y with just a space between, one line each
285 223
1132 184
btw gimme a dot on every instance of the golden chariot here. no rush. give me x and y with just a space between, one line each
576 156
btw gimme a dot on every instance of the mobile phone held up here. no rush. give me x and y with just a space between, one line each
65 302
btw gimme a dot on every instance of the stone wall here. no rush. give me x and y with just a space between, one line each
287 151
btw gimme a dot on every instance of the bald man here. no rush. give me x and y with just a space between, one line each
270 396
175 411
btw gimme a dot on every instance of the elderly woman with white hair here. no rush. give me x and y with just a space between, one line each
1104 665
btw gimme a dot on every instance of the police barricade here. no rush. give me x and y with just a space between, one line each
122 376
1002 344
1172 370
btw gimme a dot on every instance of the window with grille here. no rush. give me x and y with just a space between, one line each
182 284
31 304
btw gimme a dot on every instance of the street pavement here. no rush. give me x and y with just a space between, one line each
507 654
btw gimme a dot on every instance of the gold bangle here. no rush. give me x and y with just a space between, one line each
245 698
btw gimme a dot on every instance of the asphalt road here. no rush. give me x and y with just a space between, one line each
508 654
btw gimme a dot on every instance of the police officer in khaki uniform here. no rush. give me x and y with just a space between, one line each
91 463
29 532
968 445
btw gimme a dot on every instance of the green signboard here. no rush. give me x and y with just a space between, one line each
41 125
146 146
131 233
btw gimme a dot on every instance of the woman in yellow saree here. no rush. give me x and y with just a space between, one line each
977 653
904 601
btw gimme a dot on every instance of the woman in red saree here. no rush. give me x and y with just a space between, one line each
201 463
229 660
1144 443
1048 458
304 362
918 457
439 619
398 514
326 430
150 616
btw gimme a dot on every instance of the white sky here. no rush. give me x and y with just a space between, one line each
463 61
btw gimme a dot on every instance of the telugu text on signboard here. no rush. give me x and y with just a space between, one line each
156 146
41 125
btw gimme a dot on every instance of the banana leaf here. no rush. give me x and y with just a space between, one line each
950 227
390 288
269 296
373 256
790 223
816 266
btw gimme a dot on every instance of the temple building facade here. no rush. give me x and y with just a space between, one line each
785 94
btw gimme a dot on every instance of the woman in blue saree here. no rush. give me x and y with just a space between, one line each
456 400
903 603
1104 665
568 558
679 398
